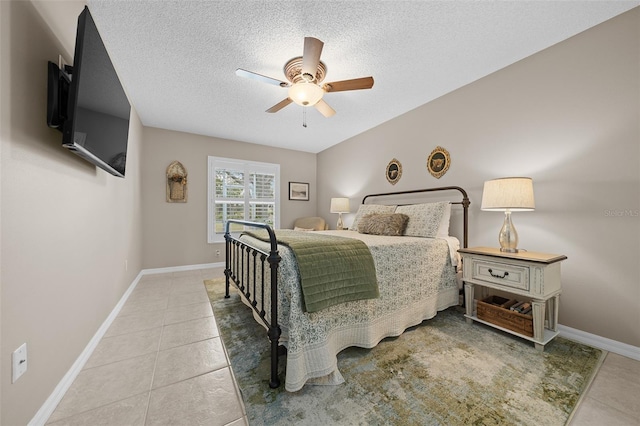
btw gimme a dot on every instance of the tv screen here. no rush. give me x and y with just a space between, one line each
96 124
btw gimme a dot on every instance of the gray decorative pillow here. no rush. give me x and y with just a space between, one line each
366 209
383 224
424 219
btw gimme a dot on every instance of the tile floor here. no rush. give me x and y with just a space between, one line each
162 363
612 399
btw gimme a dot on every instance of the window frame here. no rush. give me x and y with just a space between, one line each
247 167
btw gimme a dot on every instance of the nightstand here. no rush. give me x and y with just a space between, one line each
528 276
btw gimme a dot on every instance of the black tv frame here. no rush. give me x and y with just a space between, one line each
62 100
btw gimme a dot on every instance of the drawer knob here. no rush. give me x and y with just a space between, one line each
496 275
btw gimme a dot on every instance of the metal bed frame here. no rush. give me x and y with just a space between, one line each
243 260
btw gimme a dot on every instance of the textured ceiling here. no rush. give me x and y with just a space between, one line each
177 59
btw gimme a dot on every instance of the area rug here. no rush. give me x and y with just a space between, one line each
441 372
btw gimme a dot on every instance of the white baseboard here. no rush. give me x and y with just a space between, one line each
182 268
614 346
56 396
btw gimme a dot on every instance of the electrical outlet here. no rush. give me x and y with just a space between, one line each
19 362
218 253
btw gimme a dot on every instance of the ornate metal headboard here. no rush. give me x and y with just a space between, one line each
464 203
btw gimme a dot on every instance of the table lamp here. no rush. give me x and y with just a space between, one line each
340 205
511 194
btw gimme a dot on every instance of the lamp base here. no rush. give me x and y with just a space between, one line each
340 225
509 250
508 236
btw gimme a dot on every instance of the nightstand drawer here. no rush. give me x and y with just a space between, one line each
512 276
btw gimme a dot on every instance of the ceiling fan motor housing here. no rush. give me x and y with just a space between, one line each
293 72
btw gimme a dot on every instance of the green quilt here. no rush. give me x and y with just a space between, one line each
332 269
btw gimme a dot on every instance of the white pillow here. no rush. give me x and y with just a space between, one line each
443 229
366 209
297 228
424 219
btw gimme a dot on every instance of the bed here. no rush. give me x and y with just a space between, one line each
416 276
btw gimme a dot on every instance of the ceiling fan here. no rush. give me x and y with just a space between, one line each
305 73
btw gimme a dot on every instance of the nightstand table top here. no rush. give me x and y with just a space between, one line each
530 256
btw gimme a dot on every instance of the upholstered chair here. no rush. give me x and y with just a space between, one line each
310 224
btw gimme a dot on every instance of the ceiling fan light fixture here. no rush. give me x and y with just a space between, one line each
305 94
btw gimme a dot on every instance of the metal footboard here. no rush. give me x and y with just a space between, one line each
241 266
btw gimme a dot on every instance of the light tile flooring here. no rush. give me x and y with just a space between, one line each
162 363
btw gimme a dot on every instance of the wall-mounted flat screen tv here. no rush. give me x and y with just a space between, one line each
88 104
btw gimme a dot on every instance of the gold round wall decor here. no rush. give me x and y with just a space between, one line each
438 162
394 171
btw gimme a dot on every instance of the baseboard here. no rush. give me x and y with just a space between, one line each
614 346
56 396
182 268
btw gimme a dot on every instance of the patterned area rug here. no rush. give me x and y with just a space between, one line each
441 372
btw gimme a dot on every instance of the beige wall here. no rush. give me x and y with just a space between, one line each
175 234
67 227
567 117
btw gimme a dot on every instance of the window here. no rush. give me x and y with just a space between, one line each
243 190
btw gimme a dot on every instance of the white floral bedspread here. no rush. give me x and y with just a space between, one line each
416 279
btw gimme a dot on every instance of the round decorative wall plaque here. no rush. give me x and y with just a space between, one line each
438 162
394 171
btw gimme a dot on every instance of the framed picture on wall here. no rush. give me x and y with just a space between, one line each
438 162
394 171
299 191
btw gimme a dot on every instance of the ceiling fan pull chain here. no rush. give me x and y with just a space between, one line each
304 117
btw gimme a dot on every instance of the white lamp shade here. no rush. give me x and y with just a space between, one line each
339 205
305 94
512 193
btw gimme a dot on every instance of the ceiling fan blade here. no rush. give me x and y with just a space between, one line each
325 109
311 56
355 84
277 107
259 77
